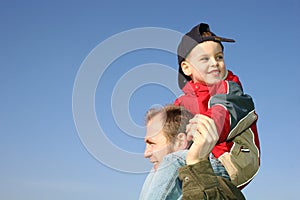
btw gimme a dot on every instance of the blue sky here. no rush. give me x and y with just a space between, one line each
46 44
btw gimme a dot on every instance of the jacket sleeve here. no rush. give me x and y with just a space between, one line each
232 110
200 182
177 102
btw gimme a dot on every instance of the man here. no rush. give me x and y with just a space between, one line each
179 173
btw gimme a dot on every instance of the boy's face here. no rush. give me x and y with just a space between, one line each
205 63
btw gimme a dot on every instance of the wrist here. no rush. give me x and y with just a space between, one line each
195 161
192 162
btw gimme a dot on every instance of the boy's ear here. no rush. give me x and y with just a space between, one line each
186 68
182 142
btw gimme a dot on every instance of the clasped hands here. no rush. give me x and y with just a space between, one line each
203 132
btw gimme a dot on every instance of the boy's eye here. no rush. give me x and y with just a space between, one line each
220 57
204 59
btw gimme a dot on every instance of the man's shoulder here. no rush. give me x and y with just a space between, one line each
178 157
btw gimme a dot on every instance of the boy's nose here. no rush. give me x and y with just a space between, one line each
213 62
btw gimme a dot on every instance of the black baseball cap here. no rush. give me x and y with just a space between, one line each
196 35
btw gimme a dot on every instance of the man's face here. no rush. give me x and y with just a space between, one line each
205 63
157 145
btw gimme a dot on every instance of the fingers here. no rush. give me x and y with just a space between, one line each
203 132
203 125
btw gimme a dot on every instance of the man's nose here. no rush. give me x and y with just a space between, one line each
147 152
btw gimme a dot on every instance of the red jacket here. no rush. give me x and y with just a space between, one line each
233 113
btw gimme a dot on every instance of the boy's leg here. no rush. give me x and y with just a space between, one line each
218 167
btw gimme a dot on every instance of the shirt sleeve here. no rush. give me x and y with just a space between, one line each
232 110
200 182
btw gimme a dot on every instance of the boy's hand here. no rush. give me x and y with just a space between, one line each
202 130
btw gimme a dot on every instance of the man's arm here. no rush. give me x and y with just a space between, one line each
200 182
198 179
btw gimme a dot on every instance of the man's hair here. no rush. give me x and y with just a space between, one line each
174 120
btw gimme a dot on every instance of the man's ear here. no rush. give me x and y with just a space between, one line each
186 68
182 142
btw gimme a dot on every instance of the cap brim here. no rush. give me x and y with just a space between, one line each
217 39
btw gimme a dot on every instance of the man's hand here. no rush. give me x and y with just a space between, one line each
202 130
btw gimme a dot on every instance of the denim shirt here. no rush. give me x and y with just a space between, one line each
164 184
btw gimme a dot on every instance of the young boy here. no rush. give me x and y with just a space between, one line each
212 90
